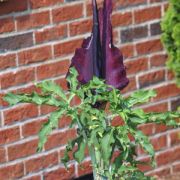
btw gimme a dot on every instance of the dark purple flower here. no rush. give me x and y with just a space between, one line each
98 56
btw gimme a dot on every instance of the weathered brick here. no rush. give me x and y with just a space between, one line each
80 27
136 66
32 128
159 142
13 6
176 168
146 14
155 29
145 167
36 177
67 47
7 25
35 55
34 4
161 107
63 13
131 86
33 20
61 173
16 42
20 113
151 78
22 150
175 104
166 91
2 155
174 138
7 61
120 4
149 47
38 163
84 168
14 171
17 78
60 139
158 60
130 34
9 135
52 70
127 51
147 129
122 19
45 109
50 34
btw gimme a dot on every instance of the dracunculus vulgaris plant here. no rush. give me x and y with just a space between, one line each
96 76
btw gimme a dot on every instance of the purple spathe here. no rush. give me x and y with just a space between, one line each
98 56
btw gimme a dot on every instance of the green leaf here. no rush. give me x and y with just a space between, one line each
80 153
51 87
106 145
12 99
48 127
140 96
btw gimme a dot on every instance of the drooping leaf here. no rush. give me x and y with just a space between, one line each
48 127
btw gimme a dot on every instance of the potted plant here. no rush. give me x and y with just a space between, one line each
96 76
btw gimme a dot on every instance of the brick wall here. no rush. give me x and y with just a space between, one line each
37 41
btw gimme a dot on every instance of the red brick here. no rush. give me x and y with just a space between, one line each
159 142
147 129
162 107
176 167
32 128
170 75
7 25
62 82
158 60
165 157
7 61
127 51
84 168
60 139
64 122
136 66
128 3
117 121
149 47
34 4
49 34
20 113
37 177
60 173
151 78
67 47
146 14
174 138
9 135
17 78
160 128
145 167
160 172
66 13
52 70
2 155
22 150
33 20
15 171
13 6
35 55
122 19
38 163
167 91
89 6
131 86
80 27
45 109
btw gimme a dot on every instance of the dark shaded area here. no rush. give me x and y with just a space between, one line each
87 177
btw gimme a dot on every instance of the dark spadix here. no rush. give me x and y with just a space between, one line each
98 56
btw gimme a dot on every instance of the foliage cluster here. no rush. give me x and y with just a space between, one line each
94 124
171 37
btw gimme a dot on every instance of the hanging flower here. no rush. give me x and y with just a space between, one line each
98 56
